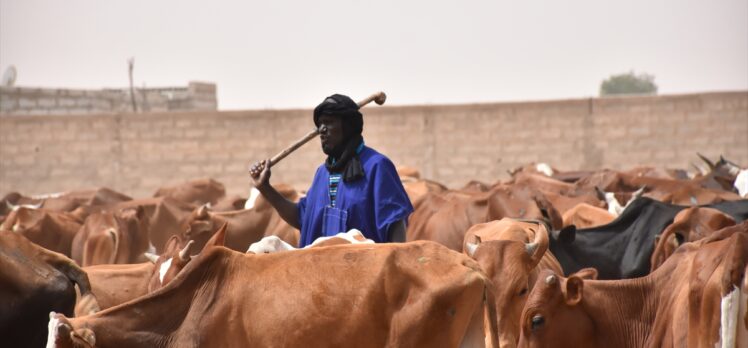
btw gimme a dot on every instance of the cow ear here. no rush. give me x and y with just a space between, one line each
567 234
219 238
588 273
574 287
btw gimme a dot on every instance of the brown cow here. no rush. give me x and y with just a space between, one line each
384 295
692 300
689 225
244 226
33 282
117 284
446 217
112 237
417 189
49 229
584 215
512 262
198 191
165 217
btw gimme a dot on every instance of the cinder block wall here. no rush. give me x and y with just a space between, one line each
61 101
137 153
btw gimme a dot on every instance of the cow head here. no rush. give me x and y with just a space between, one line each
689 225
554 315
24 219
177 254
511 266
199 226
62 335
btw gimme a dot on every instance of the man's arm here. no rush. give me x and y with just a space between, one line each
287 210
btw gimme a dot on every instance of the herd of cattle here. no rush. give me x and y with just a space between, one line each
645 257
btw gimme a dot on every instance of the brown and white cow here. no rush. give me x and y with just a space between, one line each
33 282
49 229
689 225
697 298
112 237
116 284
512 253
273 244
383 295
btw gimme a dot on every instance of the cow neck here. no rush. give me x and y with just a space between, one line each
623 310
154 319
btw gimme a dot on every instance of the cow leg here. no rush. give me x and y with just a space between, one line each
475 335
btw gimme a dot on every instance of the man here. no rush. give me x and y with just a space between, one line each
356 187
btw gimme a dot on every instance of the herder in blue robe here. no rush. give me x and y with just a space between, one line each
357 187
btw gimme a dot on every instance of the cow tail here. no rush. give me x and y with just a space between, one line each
115 238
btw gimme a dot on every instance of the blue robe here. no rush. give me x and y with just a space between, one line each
370 204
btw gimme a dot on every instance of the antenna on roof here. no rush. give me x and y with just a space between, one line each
9 76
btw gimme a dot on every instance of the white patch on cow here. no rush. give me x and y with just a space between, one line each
49 195
350 236
252 198
742 334
544 168
614 207
162 271
52 330
14 207
16 228
269 245
741 183
151 248
729 319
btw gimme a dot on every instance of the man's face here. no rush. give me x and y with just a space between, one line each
331 135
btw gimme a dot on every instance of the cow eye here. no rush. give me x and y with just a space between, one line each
537 321
522 292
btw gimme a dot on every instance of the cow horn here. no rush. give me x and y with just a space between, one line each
550 280
539 245
700 169
151 257
202 212
184 254
471 248
530 248
706 160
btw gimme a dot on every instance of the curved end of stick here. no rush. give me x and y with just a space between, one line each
380 98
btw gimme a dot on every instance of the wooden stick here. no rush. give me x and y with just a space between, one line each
378 98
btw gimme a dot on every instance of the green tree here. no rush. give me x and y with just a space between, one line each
628 83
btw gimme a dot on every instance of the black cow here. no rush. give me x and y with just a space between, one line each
623 248
33 282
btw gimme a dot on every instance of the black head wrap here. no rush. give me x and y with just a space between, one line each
344 107
348 163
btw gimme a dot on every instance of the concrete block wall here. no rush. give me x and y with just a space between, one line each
50 101
452 144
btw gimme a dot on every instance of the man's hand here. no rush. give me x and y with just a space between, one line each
260 173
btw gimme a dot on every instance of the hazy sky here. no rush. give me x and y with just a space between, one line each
284 54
